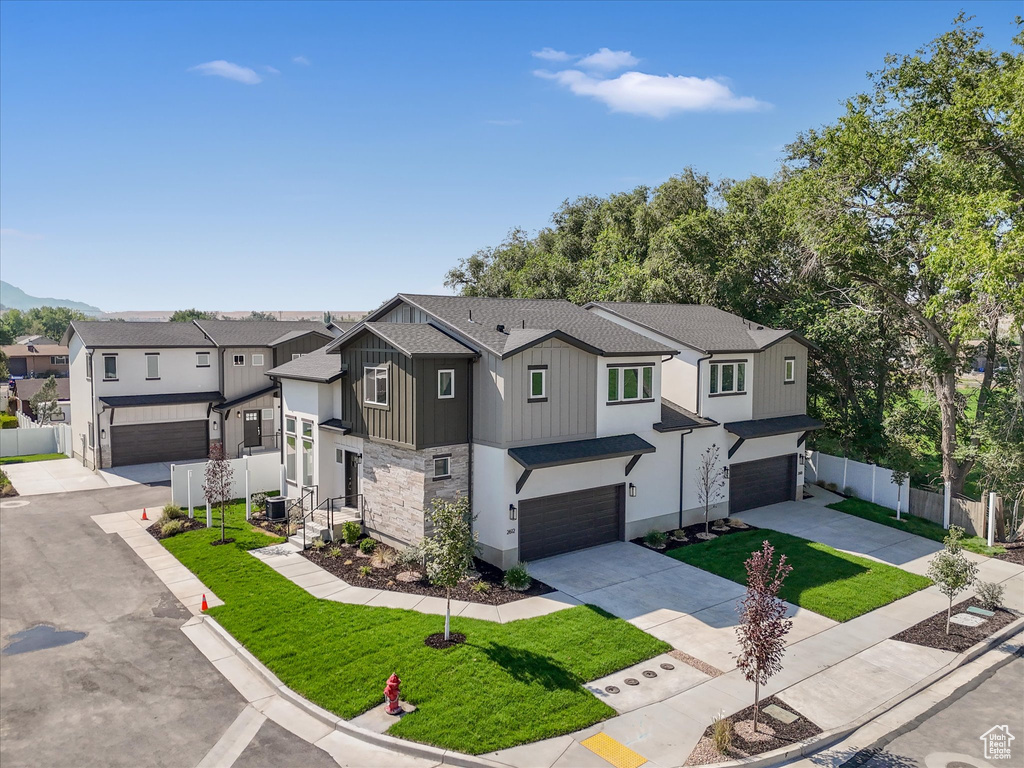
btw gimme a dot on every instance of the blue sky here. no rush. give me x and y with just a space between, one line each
327 155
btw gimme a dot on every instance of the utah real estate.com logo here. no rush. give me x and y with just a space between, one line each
997 742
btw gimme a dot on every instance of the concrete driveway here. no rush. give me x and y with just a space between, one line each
693 610
68 475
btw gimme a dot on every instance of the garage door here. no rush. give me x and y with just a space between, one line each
565 522
756 483
165 441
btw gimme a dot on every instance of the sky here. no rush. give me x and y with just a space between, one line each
307 156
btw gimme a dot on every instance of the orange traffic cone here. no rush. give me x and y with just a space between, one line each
204 605
144 514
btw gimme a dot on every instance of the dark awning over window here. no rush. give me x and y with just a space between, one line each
768 427
171 398
577 451
337 424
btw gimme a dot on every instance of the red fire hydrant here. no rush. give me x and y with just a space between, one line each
391 695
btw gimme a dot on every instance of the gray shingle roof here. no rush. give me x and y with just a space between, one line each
258 333
675 417
316 366
699 326
109 334
411 339
477 319
575 451
780 425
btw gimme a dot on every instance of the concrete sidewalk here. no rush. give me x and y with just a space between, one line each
36 478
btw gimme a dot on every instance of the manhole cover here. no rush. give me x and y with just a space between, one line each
668 666
632 681
612 688
38 638
649 673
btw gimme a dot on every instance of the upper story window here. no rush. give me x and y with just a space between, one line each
375 385
445 384
790 371
296 355
238 360
152 365
88 367
257 361
202 359
630 383
110 368
728 378
58 359
538 383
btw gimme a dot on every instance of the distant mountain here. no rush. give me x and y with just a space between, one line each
12 297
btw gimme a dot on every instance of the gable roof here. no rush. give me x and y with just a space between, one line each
259 333
701 327
107 334
34 339
477 319
411 339
28 387
33 350
316 366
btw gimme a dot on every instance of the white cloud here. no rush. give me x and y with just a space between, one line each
550 54
271 70
504 122
226 69
19 234
608 60
302 60
658 96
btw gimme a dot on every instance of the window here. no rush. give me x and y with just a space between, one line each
728 378
538 383
110 368
257 361
445 384
58 416
202 359
296 355
238 360
92 442
307 452
442 467
58 359
88 367
152 365
339 455
375 385
790 370
268 414
289 447
307 429
630 383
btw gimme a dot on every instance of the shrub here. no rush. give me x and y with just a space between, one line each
655 539
172 528
259 501
990 595
480 587
173 512
679 534
517 578
335 552
849 491
366 546
382 557
365 570
721 733
830 486
351 531
411 555
318 544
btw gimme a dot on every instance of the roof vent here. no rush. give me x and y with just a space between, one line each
32 348
499 328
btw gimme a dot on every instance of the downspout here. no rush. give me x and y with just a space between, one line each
280 407
223 424
682 445
469 436
92 400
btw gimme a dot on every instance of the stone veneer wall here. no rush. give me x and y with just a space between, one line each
398 485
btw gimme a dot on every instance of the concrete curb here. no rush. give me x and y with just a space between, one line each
828 738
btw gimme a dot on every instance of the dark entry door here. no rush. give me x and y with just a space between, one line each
253 429
551 525
351 479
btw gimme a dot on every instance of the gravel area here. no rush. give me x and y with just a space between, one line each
693 534
693 661
931 632
771 734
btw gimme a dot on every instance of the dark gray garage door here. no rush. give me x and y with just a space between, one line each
166 441
564 522
756 483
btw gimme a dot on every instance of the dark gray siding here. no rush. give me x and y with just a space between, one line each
300 346
771 395
394 423
440 422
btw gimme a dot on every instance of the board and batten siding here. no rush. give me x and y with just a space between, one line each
242 379
300 346
570 410
395 422
771 395
440 421
404 313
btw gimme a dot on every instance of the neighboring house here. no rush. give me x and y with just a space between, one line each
25 390
34 339
32 359
161 391
566 427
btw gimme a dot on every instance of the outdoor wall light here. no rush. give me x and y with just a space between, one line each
801 459
513 513
632 490
725 472
103 434
215 426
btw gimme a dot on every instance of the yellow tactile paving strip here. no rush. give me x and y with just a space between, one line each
619 755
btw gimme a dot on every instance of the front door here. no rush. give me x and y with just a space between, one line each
253 434
351 479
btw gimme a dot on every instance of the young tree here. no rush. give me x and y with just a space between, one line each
951 570
710 482
219 476
763 623
44 402
449 548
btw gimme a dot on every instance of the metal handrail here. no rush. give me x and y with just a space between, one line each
329 505
240 449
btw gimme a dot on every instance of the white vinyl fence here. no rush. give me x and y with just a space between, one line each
29 440
264 475
868 481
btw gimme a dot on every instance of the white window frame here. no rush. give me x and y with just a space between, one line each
152 356
105 376
716 378
267 414
296 355
440 391
620 386
308 453
789 375
200 357
289 434
446 462
88 367
530 395
377 371
257 360
58 359
238 361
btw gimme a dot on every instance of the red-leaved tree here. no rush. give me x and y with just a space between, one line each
219 477
763 623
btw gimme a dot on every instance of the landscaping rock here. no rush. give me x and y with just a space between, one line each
408 577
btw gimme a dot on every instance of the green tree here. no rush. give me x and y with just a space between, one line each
188 315
5 371
12 325
449 548
45 403
950 569
255 315
52 322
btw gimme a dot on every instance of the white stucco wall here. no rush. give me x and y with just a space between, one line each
81 397
726 408
624 418
178 372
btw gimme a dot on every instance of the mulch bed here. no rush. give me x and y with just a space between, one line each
1014 553
785 735
190 525
437 640
691 532
222 541
347 565
259 520
931 632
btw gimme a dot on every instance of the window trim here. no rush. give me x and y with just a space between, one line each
621 399
377 369
58 359
263 414
451 372
199 357
735 378
291 477
151 356
253 362
447 459
543 396
88 367
238 361
296 355
111 356
788 374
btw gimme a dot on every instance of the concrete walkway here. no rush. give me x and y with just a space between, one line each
36 478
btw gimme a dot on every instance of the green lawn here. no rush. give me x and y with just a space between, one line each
507 685
824 580
30 458
916 525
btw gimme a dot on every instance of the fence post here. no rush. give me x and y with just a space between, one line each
899 498
248 500
191 513
209 515
991 518
873 470
846 463
947 488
